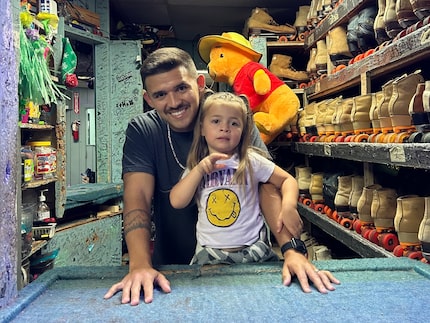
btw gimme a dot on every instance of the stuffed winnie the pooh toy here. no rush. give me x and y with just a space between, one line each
231 60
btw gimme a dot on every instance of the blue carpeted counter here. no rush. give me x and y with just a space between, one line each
372 290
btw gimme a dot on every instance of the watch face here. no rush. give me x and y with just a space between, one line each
299 245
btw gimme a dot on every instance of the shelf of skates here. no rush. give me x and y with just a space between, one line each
371 220
406 47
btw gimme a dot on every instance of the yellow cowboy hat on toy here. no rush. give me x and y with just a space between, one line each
237 40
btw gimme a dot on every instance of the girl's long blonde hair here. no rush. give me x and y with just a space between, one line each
199 148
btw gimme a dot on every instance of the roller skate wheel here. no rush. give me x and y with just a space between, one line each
388 241
398 251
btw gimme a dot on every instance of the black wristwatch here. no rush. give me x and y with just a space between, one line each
295 244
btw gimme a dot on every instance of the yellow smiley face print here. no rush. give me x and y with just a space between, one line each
222 208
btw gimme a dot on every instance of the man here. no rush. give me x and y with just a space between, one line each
155 153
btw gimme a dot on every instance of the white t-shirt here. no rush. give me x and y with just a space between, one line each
229 215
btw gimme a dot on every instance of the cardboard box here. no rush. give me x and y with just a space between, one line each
82 15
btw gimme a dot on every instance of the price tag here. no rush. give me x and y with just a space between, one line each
397 154
327 150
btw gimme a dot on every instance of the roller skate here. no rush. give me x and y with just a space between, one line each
330 183
321 57
379 24
386 127
374 117
303 177
365 224
310 122
383 211
261 23
398 107
301 22
405 13
409 214
360 116
420 118
424 232
338 49
345 123
329 127
365 33
316 191
357 184
392 26
421 8
341 201
282 68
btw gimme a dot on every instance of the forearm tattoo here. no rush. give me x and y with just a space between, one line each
137 219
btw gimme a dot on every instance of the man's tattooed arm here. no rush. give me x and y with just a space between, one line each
137 219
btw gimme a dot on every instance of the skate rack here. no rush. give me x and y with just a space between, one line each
339 15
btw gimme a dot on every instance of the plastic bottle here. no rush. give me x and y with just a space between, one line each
43 211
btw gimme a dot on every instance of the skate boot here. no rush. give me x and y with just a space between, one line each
321 115
328 120
357 184
260 20
405 13
303 177
424 231
309 122
365 32
374 116
383 211
379 24
312 18
421 8
338 50
426 98
420 118
281 67
409 214
301 22
384 114
351 35
398 107
341 201
329 194
392 26
345 123
301 125
360 116
364 205
321 57
311 68
316 190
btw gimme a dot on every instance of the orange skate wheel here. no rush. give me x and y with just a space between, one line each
313 139
373 236
390 138
402 137
372 138
335 216
357 226
307 202
347 223
350 138
414 254
283 39
365 232
398 251
388 241
362 137
319 207
339 139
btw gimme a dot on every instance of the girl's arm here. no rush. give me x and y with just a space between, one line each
288 186
183 192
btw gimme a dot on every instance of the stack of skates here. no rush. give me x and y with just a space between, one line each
398 113
370 30
260 23
399 224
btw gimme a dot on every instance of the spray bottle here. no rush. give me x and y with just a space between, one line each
43 211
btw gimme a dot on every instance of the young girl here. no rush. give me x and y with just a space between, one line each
223 173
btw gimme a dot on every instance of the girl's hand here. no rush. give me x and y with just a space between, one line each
209 163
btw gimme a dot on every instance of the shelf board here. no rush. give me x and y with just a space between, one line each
349 238
84 36
414 155
401 53
33 126
37 183
338 16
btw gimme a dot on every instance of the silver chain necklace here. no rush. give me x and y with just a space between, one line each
169 137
